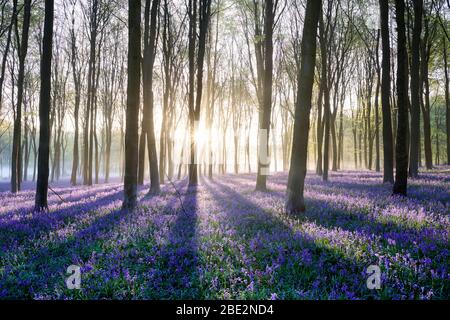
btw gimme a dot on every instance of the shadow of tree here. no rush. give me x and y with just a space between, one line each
42 267
373 189
321 212
175 275
291 262
14 232
45 267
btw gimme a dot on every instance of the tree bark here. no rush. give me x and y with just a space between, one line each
6 50
204 12
148 131
401 152
297 172
415 95
132 112
447 99
16 158
326 96
426 106
76 81
44 110
319 169
388 149
265 115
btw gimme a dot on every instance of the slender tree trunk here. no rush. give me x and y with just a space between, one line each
334 158
151 16
320 128
16 158
142 145
167 88
133 96
415 95
377 106
297 172
447 99
6 50
355 145
401 154
265 115
191 95
204 12
427 137
44 110
388 149
340 135
248 152
438 153
326 96
88 138
377 123
73 177
167 49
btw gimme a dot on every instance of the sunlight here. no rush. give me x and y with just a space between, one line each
201 137
224 150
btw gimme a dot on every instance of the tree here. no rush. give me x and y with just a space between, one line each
76 74
212 61
306 65
415 94
324 31
97 14
172 68
377 107
388 149
7 47
401 150
196 62
148 131
428 42
22 49
447 98
132 111
265 113
44 110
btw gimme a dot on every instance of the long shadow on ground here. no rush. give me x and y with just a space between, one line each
176 275
289 262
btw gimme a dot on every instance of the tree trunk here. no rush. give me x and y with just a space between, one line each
6 50
73 177
297 172
326 96
204 12
148 131
16 158
415 95
438 153
401 151
388 155
191 95
447 100
320 128
334 145
132 112
265 115
44 110
427 137
377 123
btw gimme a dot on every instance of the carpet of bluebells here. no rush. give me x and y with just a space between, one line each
223 240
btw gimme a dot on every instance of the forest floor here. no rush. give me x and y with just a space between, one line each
224 240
